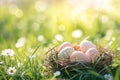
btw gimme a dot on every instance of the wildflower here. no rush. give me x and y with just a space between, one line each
41 38
31 57
20 43
59 37
57 73
11 71
108 77
7 52
1 62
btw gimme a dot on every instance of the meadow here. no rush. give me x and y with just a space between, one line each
30 28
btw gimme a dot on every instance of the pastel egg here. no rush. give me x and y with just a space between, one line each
65 53
92 53
85 45
79 56
63 45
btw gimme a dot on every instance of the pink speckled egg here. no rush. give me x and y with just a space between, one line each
92 53
65 53
85 45
79 56
63 45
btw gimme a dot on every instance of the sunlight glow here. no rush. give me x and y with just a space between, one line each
59 37
118 48
40 6
77 33
13 9
61 27
104 19
83 7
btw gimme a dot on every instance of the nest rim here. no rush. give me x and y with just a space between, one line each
105 59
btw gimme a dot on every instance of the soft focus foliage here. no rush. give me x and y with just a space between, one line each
26 25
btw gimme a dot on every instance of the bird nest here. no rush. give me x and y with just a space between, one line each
72 70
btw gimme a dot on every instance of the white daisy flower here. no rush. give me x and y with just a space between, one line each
7 52
108 77
57 73
21 42
59 37
11 71
1 63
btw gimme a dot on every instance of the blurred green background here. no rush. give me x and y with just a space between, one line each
26 23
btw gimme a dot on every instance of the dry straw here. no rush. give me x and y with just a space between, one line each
67 68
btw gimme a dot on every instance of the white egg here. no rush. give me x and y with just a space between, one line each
65 53
85 45
79 56
63 45
92 53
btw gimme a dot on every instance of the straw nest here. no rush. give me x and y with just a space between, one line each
71 69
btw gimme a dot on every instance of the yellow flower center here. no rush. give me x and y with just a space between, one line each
11 71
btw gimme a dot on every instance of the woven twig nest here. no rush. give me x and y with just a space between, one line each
71 70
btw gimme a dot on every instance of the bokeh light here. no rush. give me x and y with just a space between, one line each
33 27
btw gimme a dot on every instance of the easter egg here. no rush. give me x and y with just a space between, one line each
63 45
85 45
65 53
79 56
92 53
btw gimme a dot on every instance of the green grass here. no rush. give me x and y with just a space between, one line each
57 18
